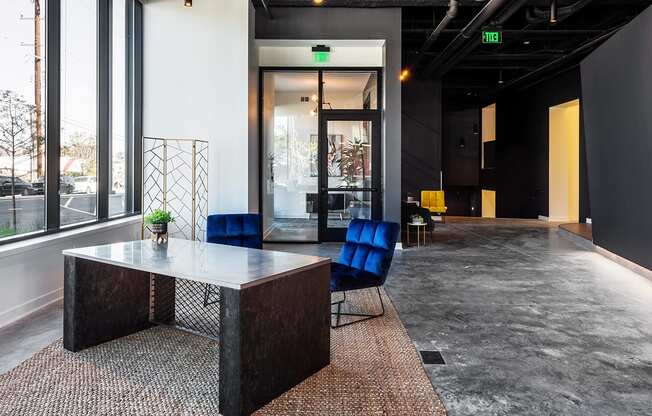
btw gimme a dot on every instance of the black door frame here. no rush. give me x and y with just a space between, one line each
325 233
321 112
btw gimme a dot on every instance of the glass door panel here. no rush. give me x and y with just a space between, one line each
290 190
351 188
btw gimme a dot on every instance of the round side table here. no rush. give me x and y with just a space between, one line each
421 229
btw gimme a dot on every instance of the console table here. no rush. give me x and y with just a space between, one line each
273 308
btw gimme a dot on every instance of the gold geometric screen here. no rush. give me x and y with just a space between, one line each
175 179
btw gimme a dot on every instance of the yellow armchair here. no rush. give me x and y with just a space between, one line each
434 201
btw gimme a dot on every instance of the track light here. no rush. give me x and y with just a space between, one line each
553 11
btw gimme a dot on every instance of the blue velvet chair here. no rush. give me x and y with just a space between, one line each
242 230
364 263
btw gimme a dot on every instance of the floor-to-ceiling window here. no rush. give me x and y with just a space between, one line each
118 107
78 160
22 117
54 113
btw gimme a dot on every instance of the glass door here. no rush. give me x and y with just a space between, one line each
289 174
350 182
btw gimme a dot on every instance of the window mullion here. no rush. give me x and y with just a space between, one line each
53 112
104 73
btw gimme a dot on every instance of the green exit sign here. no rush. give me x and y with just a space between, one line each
321 54
321 57
492 36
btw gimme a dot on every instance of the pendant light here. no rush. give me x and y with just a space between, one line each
553 11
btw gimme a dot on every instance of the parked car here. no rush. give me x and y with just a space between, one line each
66 185
21 187
86 184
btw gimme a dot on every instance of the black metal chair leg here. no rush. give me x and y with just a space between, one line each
364 316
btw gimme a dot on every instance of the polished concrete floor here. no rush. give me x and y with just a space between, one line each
528 322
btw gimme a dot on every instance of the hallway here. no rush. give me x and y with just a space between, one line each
528 322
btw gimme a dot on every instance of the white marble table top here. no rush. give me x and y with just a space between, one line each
227 266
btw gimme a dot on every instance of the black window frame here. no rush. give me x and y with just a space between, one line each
134 120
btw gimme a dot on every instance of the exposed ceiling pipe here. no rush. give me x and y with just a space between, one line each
450 15
464 47
268 11
583 48
487 12
523 32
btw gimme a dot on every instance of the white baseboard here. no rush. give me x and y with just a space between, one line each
628 264
543 218
18 312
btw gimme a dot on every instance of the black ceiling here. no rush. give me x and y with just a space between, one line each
533 48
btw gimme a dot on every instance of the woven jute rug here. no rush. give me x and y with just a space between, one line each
374 370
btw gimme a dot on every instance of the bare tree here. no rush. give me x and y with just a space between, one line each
15 134
81 146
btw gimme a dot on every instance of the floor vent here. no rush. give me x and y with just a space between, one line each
432 357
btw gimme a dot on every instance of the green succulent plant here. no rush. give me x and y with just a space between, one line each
158 216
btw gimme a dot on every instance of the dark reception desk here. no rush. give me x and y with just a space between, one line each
273 308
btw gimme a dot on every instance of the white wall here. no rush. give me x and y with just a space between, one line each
32 271
196 79
343 53
564 146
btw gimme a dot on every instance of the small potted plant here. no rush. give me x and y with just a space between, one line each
157 222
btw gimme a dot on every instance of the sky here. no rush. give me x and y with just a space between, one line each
78 61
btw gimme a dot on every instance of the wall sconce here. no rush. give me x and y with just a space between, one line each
187 3
405 74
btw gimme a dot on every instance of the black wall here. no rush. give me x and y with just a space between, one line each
421 136
461 161
522 137
617 85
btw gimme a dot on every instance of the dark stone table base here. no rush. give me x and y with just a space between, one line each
272 335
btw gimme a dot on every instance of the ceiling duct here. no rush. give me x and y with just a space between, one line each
451 13
463 44
475 24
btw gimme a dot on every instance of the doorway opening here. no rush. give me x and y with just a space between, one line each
320 151
564 162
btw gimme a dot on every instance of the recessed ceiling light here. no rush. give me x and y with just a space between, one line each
526 42
187 3
317 2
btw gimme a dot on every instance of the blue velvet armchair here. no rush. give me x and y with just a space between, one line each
364 262
243 230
